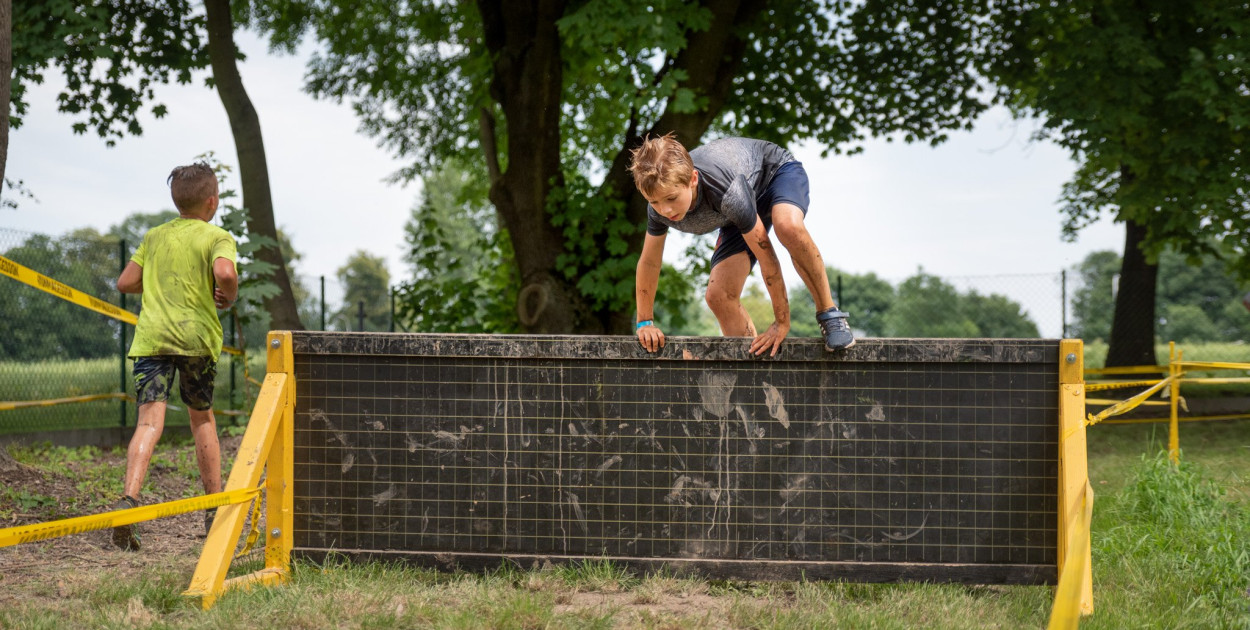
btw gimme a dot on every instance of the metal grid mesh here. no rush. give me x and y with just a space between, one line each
918 462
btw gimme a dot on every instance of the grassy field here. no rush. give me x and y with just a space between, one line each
43 380
1171 550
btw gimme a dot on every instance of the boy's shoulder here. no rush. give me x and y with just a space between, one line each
193 227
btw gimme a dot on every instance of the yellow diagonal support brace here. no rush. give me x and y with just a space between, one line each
267 418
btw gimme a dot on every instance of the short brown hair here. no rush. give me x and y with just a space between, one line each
661 163
192 184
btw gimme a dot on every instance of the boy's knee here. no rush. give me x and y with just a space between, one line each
789 232
719 299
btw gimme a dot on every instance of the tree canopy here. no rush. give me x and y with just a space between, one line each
547 98
1151 98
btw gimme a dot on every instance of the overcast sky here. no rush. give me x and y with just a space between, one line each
980 209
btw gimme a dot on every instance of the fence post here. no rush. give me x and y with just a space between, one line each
323 302
1073 462
392 326
360 316
234 342
1063 301
841 306
1174 394
121 336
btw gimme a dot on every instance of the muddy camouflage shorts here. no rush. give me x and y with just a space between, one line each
154 378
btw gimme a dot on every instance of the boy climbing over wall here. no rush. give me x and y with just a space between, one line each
183 269
742 187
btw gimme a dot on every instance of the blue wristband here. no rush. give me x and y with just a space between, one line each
645 322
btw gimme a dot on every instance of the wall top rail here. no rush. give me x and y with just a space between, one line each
871 350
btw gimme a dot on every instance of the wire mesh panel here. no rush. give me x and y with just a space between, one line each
897 459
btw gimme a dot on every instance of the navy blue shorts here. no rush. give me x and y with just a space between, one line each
154 379
790 186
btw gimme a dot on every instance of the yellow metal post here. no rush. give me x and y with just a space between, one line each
1174 393
1073 466
279 518
267 440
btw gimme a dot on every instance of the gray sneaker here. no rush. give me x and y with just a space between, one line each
126 537
836 331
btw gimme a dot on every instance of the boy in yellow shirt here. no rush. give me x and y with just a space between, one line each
183 268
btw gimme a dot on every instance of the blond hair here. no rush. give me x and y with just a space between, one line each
191 185
661 164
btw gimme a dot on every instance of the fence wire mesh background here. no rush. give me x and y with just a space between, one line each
54 349
889 462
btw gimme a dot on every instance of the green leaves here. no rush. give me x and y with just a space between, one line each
255 276
464 276
113 55
1151 99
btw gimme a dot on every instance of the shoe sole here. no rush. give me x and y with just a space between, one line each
842 348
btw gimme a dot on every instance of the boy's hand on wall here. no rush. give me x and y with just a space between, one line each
651 338
770 338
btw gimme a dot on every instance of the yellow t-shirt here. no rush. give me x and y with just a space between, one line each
178 315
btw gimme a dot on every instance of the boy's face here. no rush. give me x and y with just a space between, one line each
674 203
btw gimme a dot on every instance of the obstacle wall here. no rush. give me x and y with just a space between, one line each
898 459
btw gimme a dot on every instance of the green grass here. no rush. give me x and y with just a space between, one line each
1171 549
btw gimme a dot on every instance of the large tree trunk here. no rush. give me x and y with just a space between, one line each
1133 323
711 59
253 168
528 85
6 82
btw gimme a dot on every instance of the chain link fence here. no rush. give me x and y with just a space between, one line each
52 349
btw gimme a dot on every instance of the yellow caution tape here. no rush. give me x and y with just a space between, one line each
1127 405
1097 387
255 533
1066 611
23 404
63 291
1134 369
1212 365
1112 401
55 529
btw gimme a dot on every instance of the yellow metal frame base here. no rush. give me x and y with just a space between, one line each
266 446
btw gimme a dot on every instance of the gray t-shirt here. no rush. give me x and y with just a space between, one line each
733 173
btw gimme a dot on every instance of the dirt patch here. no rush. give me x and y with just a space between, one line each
53 568
632 608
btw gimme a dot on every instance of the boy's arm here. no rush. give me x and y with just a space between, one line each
227 278
131 280
770 270
646 281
